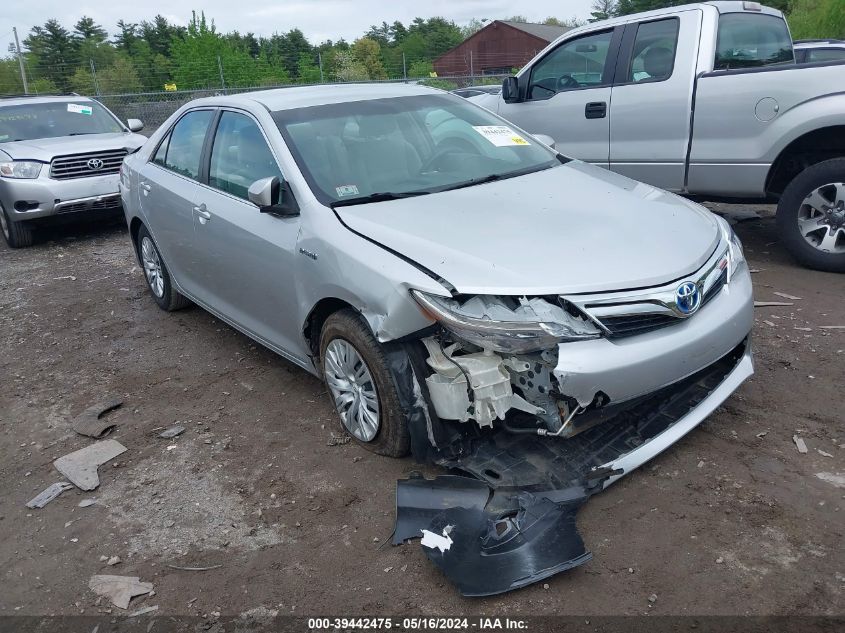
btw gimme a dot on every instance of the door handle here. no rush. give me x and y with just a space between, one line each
202 213
146 187
596 110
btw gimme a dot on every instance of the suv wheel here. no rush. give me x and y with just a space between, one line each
157 275
359 382
811 216
17 234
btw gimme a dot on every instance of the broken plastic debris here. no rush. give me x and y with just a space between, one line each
488 555
80 467
436 541
91 423
143 611
799 444
764 304
419 500
119 589
172 431
86 502
48 494
787 296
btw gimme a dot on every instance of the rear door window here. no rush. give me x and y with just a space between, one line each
654 51
826 55
184 144
750 40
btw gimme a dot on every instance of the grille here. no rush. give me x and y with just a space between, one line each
106 204
76 166
716 288
637 324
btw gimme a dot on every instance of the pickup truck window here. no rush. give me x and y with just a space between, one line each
748 40
578 63
654 51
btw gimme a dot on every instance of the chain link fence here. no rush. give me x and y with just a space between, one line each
153 108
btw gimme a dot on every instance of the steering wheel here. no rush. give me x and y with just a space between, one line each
566 82
440 153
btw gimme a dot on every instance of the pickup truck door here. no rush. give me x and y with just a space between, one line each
566 94
652 99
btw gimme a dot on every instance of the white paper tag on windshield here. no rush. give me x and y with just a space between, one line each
347 190
500 135
80 109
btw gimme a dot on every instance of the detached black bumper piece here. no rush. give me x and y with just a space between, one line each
485 555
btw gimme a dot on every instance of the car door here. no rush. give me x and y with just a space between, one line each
168 186
246 257
652 100
566 94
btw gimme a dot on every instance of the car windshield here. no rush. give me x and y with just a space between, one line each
30 121
380 149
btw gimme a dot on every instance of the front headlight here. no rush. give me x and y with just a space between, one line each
515 325
20 169
735 255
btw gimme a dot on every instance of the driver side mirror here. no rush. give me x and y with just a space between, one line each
135 125
266 192
510 90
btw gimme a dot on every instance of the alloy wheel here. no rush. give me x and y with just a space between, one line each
353 389
152 266
821 218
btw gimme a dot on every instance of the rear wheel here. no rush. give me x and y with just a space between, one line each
811 216
16 234
359 382
156 274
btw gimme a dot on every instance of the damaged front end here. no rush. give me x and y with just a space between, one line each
540 407
495 355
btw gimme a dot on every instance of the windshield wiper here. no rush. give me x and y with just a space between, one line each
381 196
493 177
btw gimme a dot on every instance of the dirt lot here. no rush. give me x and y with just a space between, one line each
733 520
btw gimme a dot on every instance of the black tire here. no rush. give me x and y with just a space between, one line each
790 206
169 298
17 234
392 437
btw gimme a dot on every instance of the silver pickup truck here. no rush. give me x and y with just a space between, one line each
704 100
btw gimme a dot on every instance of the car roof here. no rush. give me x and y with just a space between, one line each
819 43
307 96
30 99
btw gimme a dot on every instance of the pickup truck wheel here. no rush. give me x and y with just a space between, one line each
359 382
16 234
811 216
156 274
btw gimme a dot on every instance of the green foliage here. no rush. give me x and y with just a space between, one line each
811 19
420 68
307 71
347 68
367 52
443 84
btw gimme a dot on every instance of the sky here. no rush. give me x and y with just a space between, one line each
318 19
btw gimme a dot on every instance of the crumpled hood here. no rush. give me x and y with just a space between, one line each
45 149
569 229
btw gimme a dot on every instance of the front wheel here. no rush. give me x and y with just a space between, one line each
811 216
359 382
17 234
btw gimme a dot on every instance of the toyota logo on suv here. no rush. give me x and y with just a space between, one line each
94 164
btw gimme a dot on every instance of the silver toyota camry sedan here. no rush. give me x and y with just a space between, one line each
456 282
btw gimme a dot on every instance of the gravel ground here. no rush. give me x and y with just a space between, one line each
732 520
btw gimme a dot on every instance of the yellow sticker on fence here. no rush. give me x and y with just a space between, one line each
500 135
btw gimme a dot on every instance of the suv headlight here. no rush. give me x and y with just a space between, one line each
506 324
20 169
735 254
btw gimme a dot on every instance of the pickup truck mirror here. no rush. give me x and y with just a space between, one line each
135 125
510 90
273 195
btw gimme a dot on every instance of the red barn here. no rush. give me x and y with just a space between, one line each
497 48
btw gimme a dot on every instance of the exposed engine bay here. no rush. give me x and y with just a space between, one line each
479 378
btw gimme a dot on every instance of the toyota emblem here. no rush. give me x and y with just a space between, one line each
94 164
688 297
